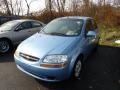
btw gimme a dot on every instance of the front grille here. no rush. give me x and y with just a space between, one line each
29 57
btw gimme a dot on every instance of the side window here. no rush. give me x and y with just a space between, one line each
36 24
94 24
89 26
24 25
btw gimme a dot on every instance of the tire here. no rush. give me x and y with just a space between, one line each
5 46
77 69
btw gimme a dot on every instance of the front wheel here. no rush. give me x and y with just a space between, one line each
4 46
77 68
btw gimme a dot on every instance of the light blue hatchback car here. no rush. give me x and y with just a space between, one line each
57 52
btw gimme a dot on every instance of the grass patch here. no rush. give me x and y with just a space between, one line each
108 36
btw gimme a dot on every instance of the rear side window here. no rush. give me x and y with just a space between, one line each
36 24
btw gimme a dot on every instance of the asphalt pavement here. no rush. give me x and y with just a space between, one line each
101 71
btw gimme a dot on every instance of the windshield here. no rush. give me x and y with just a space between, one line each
8 26
65 27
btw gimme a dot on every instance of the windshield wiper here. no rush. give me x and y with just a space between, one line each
53 33
56 33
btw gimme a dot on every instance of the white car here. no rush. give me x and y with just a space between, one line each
13 32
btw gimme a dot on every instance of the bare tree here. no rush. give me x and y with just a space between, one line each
11 7
60 5
18 7
49 5
116 3
76 6
5 2
28 6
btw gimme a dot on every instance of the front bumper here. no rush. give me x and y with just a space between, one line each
42 73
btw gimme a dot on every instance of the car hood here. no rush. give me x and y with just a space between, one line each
40 45
2 31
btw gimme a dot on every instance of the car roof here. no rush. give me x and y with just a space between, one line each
23 20
75 17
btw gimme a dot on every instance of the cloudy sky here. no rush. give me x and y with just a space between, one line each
39 4
35 5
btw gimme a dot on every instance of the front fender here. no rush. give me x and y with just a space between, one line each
73 60
7 35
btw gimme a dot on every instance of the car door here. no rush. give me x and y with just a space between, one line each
22 31
36 27
95 29
89 41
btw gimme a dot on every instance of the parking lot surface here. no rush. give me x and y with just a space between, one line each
101 71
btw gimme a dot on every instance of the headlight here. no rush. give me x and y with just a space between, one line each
16 54
55 61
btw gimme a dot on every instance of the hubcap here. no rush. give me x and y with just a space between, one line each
78 68
4 46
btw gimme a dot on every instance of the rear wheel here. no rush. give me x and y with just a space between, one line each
4 46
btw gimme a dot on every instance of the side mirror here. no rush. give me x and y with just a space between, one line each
91 34
18 28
